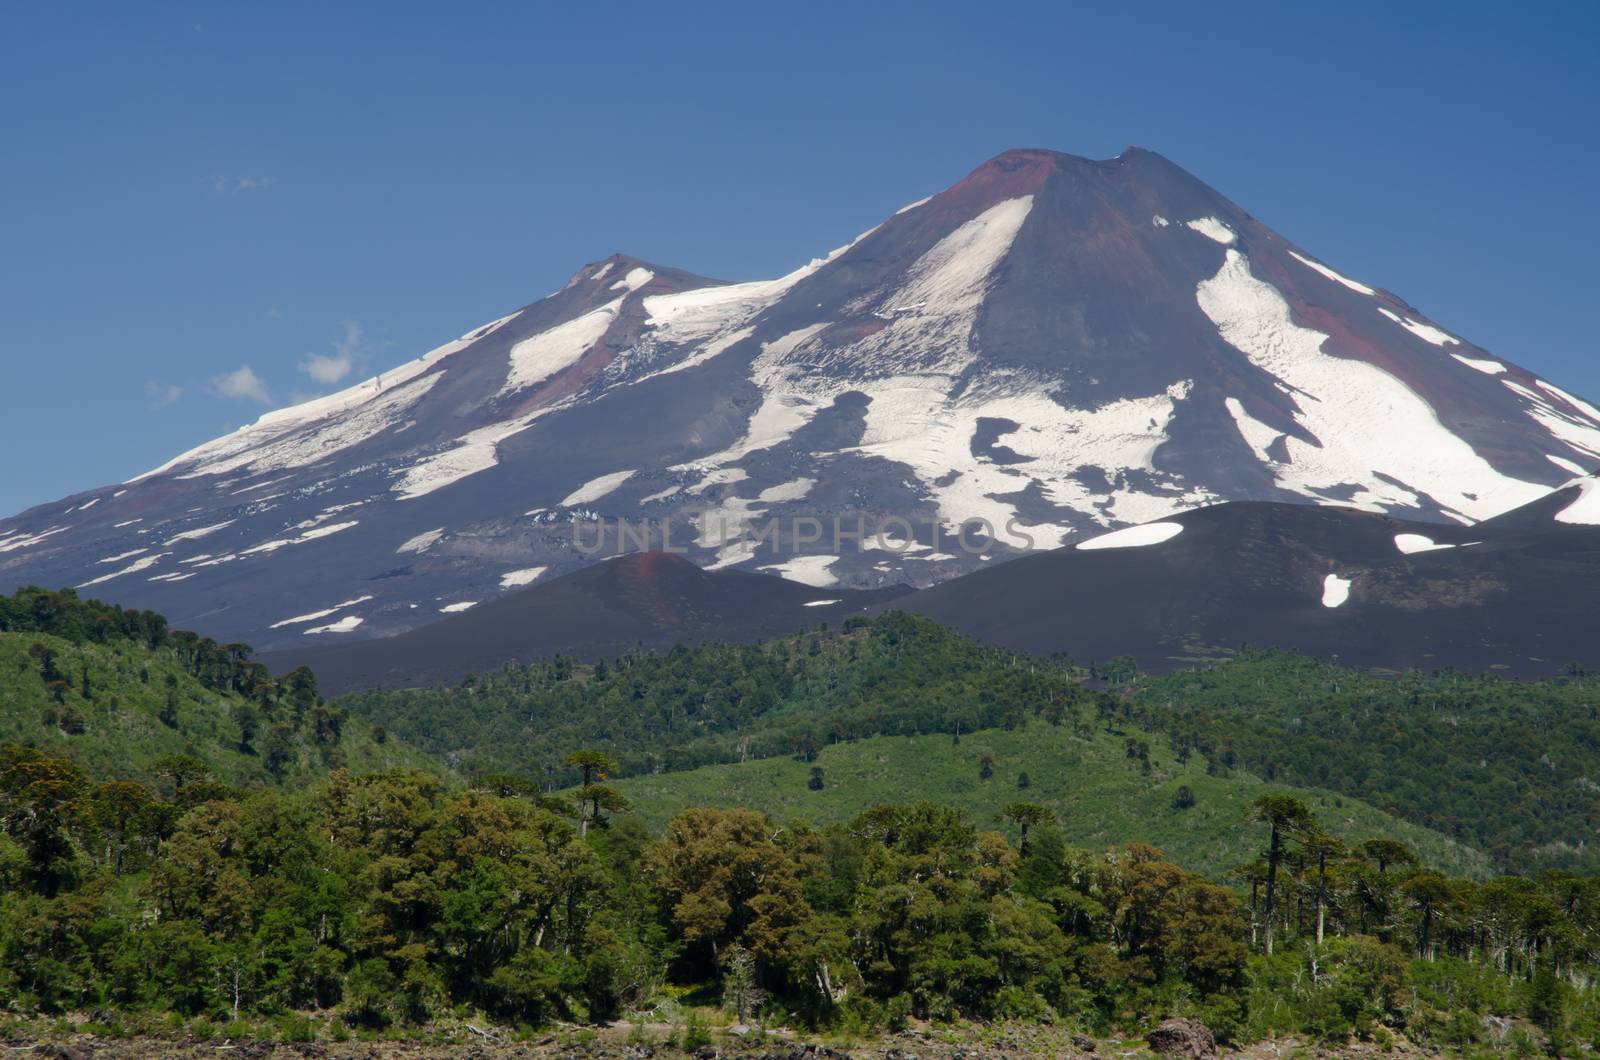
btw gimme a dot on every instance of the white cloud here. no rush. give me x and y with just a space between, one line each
226 185
242 383
328 370
162 394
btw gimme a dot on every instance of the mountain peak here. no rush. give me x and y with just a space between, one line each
1055 343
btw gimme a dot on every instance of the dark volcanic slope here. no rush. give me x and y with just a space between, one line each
653 600
1516 595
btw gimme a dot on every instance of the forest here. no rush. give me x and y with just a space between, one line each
471 853
372 904
1509 767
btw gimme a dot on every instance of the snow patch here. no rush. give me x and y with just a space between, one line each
1585 510
1411 544
344 625
808 570
1133 537
820 603
1566 465
133 568
299 539
596 488
467 455
1212 228
1425 332
787 491
908 207
517 578
1159 221
422 542
1257 435
450 609
1335 590
1317 266
324 613
535 359
195 535
1589 411
120 556
1487 367
24 540
635 279
1578 431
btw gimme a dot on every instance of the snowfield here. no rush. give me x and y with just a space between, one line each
536 359
1585 511
1365 427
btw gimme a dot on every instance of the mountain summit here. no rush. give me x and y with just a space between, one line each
1054 346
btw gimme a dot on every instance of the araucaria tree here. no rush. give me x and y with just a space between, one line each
1287 819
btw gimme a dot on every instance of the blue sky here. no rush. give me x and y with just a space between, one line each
189 190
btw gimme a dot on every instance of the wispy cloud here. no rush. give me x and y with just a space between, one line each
329 369
162 395
242 383
233 185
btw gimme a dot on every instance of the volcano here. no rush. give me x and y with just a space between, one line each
1052 348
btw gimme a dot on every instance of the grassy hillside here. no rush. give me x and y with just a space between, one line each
1100 794
144 704
1511 767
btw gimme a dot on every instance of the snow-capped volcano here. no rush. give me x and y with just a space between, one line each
1054 346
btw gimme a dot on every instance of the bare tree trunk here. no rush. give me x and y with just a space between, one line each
1322 892
1272 884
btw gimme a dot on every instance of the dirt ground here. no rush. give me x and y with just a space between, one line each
632 1043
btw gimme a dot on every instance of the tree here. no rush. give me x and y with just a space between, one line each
40 805
1386 852
279 750
168 714
741 991
815 783
1183 799
725 880
1286 817
1025 815
593 796
248 719
985 767
1322 846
